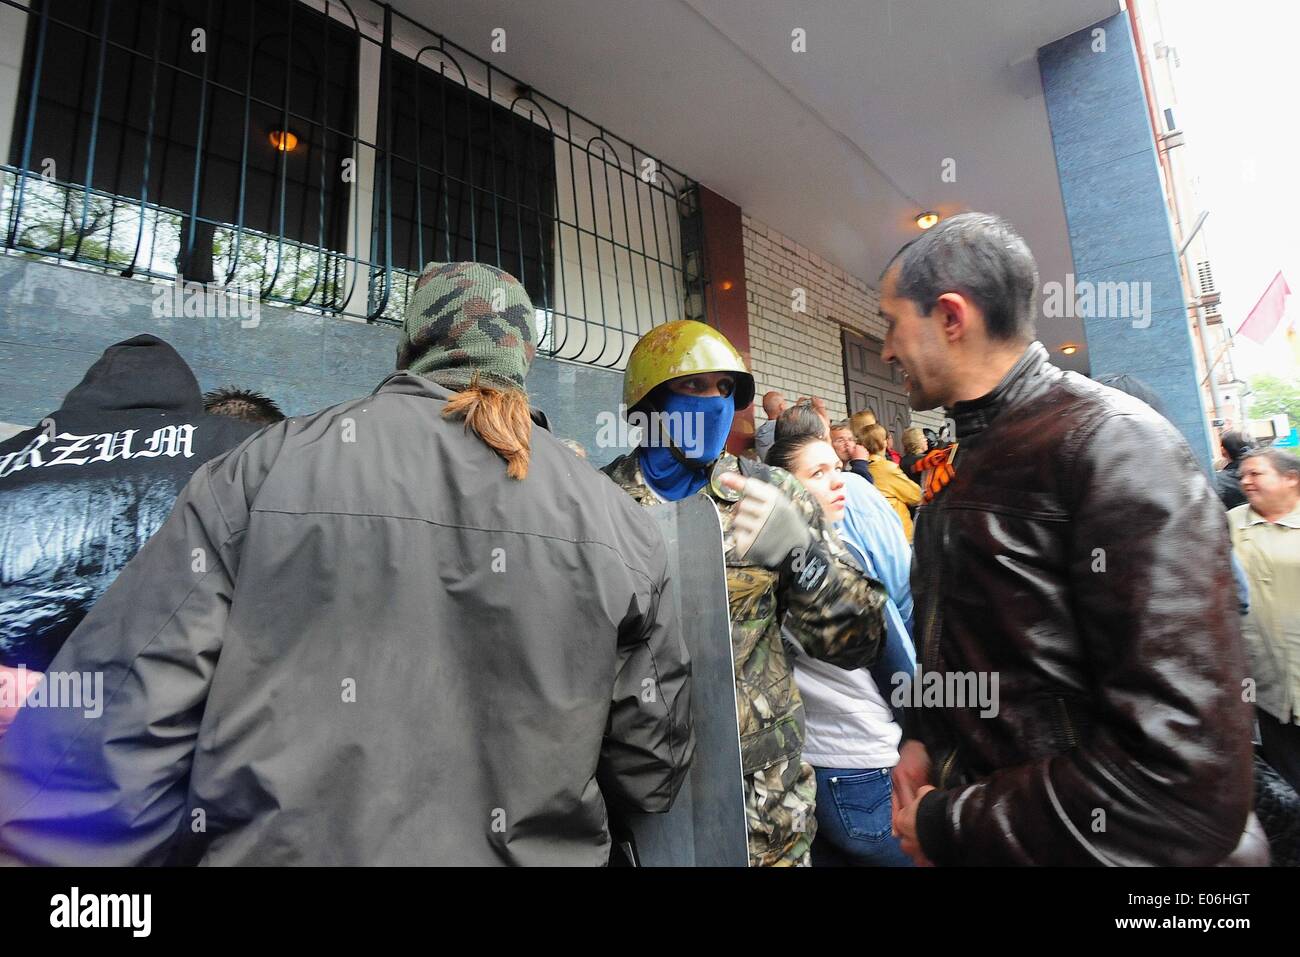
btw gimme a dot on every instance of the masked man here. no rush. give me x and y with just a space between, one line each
784 564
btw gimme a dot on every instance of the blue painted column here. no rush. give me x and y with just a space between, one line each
1120 230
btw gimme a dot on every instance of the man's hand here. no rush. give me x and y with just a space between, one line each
911 773
911 780
819 406
767 526
859 452
905 827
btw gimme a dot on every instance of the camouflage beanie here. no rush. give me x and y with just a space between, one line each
467 318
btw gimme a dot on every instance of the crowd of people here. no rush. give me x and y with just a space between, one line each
417 627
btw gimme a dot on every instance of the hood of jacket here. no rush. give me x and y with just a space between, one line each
142 373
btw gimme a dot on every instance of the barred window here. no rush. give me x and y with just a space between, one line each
228 165
472 180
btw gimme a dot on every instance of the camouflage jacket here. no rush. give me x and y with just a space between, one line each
839 621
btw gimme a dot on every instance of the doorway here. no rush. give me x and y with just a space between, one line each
871 383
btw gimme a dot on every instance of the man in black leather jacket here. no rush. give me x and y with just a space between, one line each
1227 481
1097 603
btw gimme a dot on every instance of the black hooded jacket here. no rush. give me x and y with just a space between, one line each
1227 483
82 491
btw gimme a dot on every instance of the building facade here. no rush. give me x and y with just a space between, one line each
305 158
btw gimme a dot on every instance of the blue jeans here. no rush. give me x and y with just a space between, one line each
854 814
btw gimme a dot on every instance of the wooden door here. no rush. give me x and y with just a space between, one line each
871 383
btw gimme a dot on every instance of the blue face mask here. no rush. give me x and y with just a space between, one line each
698 426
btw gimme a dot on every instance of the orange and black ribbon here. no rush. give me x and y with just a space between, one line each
936 470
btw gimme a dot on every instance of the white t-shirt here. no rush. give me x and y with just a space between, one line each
848 723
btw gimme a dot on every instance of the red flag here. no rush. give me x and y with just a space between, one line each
1268 312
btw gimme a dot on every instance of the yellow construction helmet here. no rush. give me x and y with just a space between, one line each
680 348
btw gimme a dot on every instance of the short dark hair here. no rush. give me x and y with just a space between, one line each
800 419
979 256
1235 444
1283 462
785 450
243 404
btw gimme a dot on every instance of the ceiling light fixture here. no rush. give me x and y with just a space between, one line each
926 220
283 140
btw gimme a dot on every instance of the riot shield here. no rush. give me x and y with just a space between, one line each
706 826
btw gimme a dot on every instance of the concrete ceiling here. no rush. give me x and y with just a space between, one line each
838 147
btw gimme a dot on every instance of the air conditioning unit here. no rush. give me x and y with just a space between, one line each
1208 294
1205 276
1275 426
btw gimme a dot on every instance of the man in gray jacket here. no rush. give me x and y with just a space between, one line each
360 638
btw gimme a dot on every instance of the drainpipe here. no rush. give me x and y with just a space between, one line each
1162 154
1148 87
1215 396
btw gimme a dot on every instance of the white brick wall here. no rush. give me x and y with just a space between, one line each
800 353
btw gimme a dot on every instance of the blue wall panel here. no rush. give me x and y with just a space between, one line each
1119 224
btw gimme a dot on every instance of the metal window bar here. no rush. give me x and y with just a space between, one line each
595 222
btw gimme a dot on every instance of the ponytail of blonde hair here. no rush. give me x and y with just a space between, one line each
501 418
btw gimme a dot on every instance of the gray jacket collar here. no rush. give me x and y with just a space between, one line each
403 382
